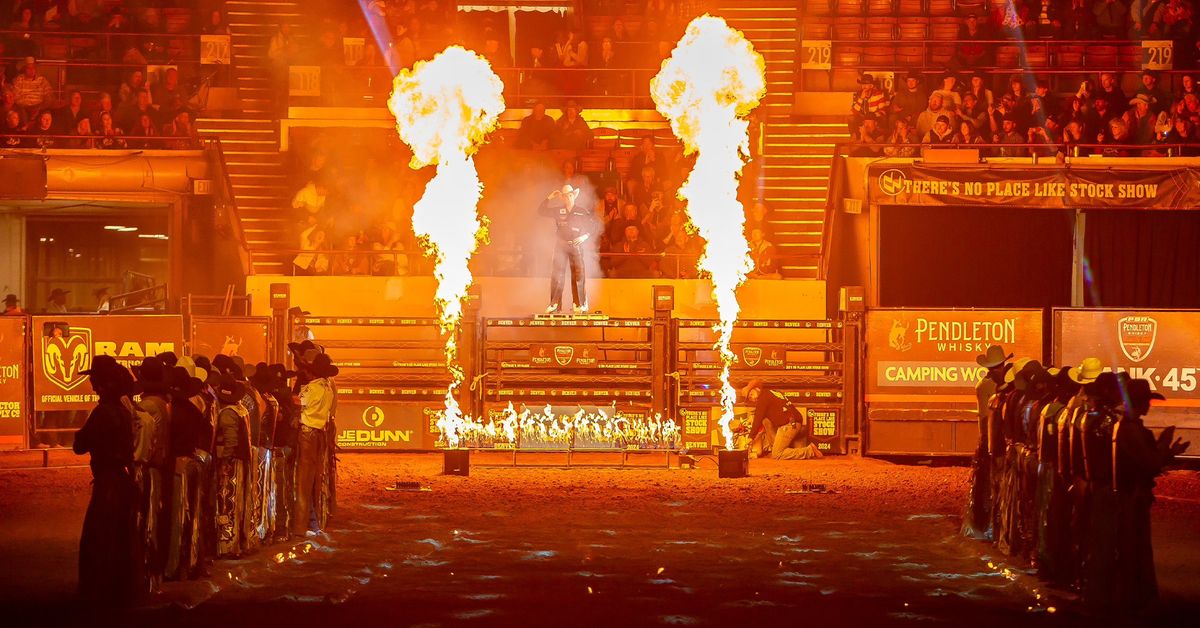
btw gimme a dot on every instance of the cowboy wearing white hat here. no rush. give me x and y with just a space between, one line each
572 224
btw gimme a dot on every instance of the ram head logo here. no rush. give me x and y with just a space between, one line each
65 356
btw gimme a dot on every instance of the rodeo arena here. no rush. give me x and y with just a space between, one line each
600 313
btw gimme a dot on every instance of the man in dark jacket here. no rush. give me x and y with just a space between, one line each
572 228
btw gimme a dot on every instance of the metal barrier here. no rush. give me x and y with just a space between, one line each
812 362
393 379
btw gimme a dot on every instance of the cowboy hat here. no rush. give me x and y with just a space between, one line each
322 366
229 390
993 357
189 365
282 373
1032 374
866 79
1087 371
300 348
750 386
184 383
1013 372
169 358
1141 98
107 372
11 299
59 292
1140 396
296 311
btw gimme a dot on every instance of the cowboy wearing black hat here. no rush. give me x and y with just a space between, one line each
10 306
978 517
1053 510
191 442
283 451
109 557
316 412
571 224
1139 458
232 454
153 465
57 301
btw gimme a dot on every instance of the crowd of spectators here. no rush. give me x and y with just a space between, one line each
100 55
1027 118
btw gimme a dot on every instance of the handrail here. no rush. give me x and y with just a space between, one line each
124 299
229 204
36 141
840 147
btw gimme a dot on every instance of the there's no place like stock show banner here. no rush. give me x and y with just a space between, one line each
1162 346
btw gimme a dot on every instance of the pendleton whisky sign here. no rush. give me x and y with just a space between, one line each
1056 188
932 352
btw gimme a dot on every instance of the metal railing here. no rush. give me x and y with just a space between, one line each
992 149
233 218
49 141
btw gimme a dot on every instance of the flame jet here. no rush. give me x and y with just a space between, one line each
444 109
711 81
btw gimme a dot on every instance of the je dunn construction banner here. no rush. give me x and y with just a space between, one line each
1158 345
64 346
932 352
1059 188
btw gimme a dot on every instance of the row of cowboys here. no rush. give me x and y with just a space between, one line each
1063 476
194 460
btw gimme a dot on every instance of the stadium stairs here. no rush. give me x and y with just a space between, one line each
797 151
250 134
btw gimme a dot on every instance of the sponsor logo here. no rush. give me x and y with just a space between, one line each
891 182
1137 335
65 355
372 416
898 337
563 354
752 355
231 346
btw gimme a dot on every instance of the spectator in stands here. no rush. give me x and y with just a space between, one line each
615 229
609 206
31 91
902 133
656 219
1182 131
1113 141
1046 22
618 32
282 48
133 109
1140 120
681 249
216 24
571 52
866 138
42 132
1177 21
762 253
388 238
1187 85
951 98
1076 110
70 114
571 130
968 134
1022 104
932 112
632 259
1112 18
1010 134
973 112
310 199
942 132
14 129
1043 104
1160 99
104 104
140 132
910 99
1074 134
350 260
971 52
537 129
404 50
1111 91
648 155
1046 137
607 80
83 129
108 135
1101 112
168 95
311 239
24 19
499 59
127 92
758 219
869 101
978 87
1078 22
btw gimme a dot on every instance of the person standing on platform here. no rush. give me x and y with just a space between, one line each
977 522
109 550
316 409
572 225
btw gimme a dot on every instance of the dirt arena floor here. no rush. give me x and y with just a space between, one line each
598 547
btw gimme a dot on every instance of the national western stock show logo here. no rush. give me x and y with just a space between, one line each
1136 335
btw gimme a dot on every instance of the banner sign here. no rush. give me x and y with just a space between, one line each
563 355
13 380
1158 345
386 426
932 352
64 346
304 80
1157 54
245 337
702 429
1058 188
